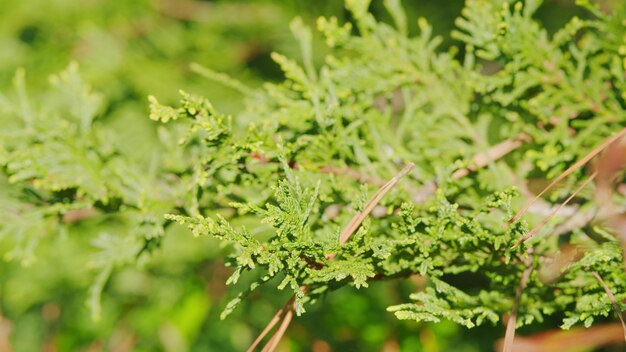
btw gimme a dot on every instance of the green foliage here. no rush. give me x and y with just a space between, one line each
295 172
85 177
63 165
90 189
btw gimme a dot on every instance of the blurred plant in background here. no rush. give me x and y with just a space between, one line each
89 263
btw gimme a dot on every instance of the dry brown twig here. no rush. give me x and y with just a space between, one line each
496 152
509 335
6 328
540 225
570 170
273 342
575 339
277 317
479 160
76 215
358 218
286 313
611 296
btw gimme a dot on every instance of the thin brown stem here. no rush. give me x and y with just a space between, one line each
540 225
509 335
570 170
358 218
576 339
6 328
479 160
273 342
76 215
609 293
277 317
496 152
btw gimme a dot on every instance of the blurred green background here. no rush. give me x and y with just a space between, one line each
127 50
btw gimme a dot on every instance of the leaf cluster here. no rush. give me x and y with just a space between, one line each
309 151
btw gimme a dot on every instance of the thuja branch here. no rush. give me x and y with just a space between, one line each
313 147
286 313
